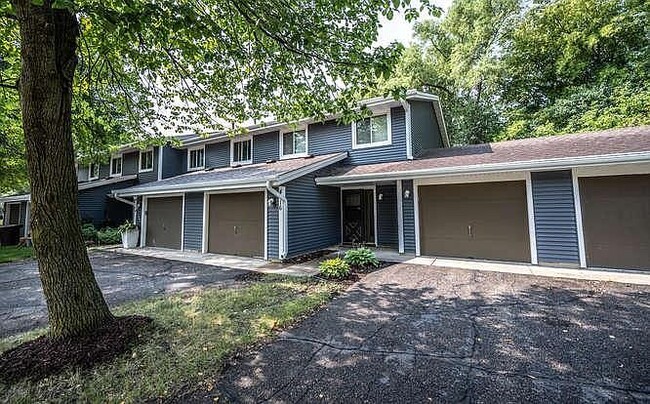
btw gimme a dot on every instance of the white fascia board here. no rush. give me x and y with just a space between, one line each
114 180
562 163
16 198
299 172
200 187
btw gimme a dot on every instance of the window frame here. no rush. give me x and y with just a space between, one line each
294 154
7 212
189 154
387 142
240 139
90 171
146 170
110 168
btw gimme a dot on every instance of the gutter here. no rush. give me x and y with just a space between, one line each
548 164
134 204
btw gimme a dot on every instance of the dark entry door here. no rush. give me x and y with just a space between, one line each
359 216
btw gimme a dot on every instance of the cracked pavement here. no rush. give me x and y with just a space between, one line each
412 333
122 278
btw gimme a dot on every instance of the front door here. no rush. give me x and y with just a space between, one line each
359 216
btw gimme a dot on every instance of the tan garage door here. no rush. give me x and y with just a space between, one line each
616 221
237 224
486 220
164 216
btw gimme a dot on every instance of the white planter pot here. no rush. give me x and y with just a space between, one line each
130 238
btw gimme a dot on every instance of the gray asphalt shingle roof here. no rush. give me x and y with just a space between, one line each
253 173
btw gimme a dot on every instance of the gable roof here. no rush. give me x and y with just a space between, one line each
562 151
242 177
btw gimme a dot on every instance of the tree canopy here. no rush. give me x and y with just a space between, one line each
510 69
148 68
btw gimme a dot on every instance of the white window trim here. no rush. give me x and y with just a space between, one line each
146 170
232 150
110 168
386 142
189 151
90 171
294 155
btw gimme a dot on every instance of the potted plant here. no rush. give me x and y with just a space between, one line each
130 234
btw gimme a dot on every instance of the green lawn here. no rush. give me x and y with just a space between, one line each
197 332
13 253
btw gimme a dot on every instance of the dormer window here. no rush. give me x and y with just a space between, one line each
116 166
93 171
294 144
371 132
196 158
146 161
241 151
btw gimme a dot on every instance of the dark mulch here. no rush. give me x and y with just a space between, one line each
308 257
251 277
358 272
44 356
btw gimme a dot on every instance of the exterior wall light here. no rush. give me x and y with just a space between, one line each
272 203
407 193
380 197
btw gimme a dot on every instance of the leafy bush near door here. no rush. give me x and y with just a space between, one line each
361 258
335 268
109 235
89 232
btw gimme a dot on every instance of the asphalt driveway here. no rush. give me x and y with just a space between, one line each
419 334
122 278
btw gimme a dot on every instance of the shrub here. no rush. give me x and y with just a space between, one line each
89 232
334 268
126 226
361 258
109 235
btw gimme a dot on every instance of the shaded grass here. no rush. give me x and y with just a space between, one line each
14 253
196 332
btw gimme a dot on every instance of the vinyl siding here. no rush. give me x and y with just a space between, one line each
555 221
272 227
130 163
97 208
266 147
193 226
387 215
314 215
408 212
330 137
174 161
152 175
217 155
425 132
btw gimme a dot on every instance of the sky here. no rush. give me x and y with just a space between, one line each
398 29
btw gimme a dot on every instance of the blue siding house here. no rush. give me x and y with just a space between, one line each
392 180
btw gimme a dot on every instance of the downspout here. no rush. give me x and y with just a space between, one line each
134 204
409 134
282 228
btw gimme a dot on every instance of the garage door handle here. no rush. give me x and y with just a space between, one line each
234 229
469 230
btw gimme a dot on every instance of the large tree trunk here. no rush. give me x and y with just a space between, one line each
48 50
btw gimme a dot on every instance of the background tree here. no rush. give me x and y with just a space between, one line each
510 69
108 69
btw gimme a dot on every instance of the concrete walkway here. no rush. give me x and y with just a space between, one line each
225 261
606 275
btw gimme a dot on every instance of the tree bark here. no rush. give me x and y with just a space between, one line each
48 36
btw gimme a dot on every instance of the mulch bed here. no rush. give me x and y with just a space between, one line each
44 356
308 257
358 272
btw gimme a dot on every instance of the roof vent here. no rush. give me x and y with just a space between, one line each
235 166
271 161
311 156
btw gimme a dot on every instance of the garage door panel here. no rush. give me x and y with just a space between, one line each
616 220
164 222
487 220
236 224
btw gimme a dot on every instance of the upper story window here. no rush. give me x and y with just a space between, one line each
370 132
146 161
242 151
294 144
93 171
196 158
116 166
